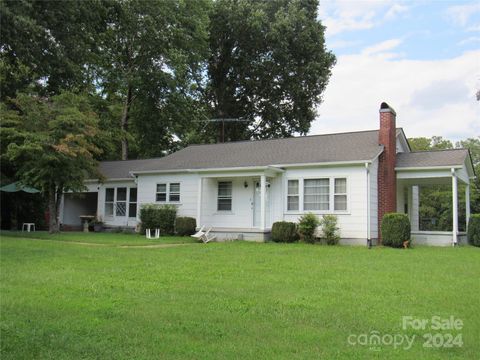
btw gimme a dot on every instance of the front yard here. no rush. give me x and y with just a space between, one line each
64 300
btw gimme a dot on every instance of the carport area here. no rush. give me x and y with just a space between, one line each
76 205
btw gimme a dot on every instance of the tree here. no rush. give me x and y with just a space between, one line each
433 143
48 46
268 65
151 62
53 143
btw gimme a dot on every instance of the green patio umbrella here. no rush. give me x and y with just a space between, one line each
15 187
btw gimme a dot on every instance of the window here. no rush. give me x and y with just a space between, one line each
224 196
132 206
293 195
170 192
340 194
326 195
174 192
109 198
316 194
161 192
121 204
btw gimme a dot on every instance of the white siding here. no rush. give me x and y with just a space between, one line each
353 223
147 187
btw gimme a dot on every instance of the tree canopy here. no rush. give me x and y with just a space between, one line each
268 65
53 143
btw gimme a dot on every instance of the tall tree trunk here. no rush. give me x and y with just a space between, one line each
52 209
124 122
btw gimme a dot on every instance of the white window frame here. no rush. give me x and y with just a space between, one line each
169 192
297 195
223 197
331 210
115 202
112 202
329 207
340 194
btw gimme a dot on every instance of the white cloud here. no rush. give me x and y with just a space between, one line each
395 10
339 44
348 15
381 47
431 97
461 14
472 39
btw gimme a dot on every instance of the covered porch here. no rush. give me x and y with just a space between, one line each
427 231
238 204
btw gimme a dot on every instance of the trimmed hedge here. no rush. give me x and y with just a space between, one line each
473 232
395 229
160 217
330 229
307 226
185 226
284 231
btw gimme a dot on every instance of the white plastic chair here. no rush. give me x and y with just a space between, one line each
149 234
199 233
206 238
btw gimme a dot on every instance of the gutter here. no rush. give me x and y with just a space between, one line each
413 168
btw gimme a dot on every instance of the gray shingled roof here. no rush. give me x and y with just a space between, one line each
432 158
353 146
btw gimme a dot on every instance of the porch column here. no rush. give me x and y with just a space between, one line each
263 183
415 206
467 203
454 207
199 201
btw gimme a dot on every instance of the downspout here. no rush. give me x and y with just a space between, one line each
369 238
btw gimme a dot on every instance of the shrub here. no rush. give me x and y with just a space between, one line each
395 229
306 227
284 231
330 229
160 217
473 232
185 226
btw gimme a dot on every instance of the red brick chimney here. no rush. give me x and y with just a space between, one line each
387 181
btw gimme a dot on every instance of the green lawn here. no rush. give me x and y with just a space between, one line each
103 238
229 301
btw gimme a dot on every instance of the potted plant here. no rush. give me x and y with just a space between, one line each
97 224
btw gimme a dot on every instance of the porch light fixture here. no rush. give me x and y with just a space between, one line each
245 184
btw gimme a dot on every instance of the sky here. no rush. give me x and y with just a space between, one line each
421 57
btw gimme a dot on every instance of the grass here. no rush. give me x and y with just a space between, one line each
231 300
103 238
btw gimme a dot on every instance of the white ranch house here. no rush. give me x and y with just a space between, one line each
241 188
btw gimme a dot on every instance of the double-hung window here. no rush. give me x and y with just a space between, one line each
161 192
293 195
224 200
168 192
340 194
316 194
174 192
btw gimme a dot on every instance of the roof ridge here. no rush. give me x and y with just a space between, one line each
286 138
435 150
